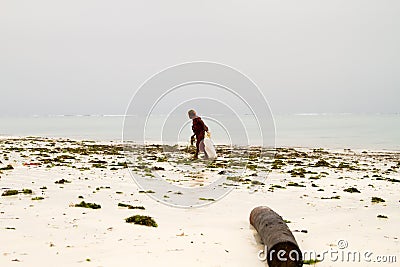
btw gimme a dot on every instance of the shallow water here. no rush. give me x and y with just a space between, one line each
362 131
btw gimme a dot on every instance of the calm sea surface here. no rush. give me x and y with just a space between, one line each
302 130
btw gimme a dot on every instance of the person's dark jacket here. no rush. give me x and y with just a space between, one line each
199 128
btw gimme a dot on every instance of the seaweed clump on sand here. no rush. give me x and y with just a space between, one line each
88 205
10 192
277 164
300 172
8 167
146 192
27 191
352 190
142 220
62 181
206 199
377 200
322 163
130 206
333 197
295 184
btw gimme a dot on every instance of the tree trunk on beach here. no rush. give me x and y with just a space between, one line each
281 249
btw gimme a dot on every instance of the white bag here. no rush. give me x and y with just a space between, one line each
209 147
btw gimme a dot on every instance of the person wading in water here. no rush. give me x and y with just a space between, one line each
199 130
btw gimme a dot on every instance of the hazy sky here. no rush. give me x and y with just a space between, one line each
88 57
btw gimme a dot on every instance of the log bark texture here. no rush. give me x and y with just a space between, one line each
282 249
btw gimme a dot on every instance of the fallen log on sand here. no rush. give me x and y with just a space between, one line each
281 248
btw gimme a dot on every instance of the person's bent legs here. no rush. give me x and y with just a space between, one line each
196 154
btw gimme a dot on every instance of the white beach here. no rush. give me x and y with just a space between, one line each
52 231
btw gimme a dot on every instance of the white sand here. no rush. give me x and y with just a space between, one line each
51 232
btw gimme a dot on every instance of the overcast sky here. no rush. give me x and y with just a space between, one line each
88 57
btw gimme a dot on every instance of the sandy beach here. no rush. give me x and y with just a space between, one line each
326 197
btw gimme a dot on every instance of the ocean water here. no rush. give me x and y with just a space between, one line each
355 131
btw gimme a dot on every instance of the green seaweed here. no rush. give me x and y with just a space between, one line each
334 197
277 186
98 165
300 172
10 192
277 164
382 216
377 200
251 167
62 181
142 220
255 182
88 205
147 192
155 168
27 191
8 167
206 199
123 164
322 163
345 165
162 159
237 179
130 206
37 198
317 177
295 184
352 190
